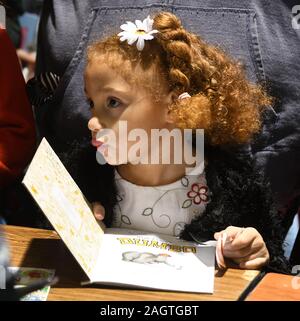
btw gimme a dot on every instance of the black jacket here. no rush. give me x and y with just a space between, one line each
240 196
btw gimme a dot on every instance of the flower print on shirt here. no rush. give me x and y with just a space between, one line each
198 193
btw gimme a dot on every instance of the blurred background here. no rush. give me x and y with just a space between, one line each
22 18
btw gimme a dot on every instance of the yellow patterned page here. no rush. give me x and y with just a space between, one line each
63 203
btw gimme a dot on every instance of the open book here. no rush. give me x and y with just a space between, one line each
115 256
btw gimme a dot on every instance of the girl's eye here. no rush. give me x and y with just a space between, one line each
113 103
91 104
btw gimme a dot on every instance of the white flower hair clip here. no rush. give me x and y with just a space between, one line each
140 31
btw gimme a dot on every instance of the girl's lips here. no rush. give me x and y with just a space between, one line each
96 143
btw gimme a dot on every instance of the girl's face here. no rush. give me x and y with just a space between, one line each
113 100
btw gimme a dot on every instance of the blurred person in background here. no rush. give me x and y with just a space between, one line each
15 11
17 129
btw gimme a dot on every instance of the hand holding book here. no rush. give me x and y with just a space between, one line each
245 246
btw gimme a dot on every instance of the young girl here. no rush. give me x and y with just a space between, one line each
156 75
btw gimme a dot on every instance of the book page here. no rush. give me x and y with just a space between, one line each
63 203
155 261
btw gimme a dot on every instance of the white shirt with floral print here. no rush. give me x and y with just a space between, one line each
161 209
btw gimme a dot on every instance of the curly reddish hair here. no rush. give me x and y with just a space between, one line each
223 101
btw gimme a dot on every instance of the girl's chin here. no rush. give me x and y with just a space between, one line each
110 159
114 162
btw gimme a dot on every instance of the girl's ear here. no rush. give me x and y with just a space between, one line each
170 99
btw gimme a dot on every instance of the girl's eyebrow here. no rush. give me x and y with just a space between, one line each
110 89
121 92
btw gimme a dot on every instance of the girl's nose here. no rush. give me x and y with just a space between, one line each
94 125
